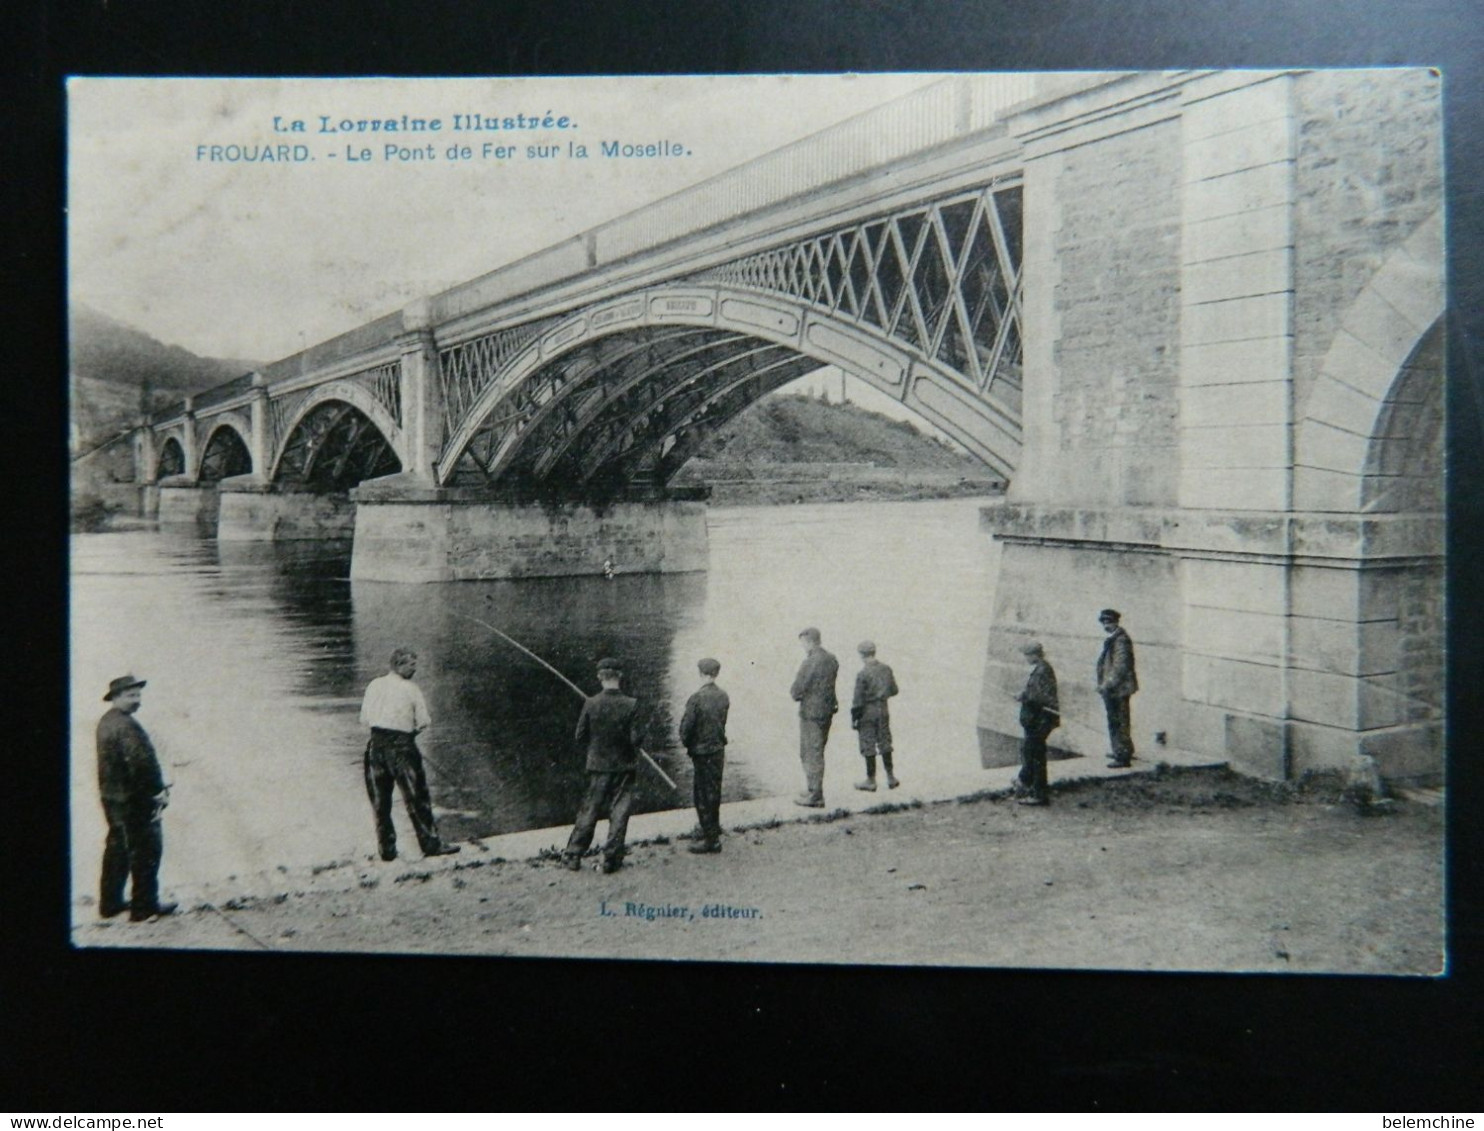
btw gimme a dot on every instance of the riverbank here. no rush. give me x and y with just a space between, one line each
1167 869
783 484
772 486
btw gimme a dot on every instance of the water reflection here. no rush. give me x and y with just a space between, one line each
502 740
257 656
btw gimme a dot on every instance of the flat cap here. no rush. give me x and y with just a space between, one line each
1110 614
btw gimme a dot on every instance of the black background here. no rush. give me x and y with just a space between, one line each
96 1031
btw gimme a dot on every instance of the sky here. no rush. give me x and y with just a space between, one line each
259 260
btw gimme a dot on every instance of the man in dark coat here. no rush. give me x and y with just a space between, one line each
703 731
814 691
134 795
1117 682
609 730
871 718
1040 714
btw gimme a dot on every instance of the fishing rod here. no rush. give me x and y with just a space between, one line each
236 926
517 644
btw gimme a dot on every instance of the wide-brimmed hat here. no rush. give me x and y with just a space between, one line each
124 683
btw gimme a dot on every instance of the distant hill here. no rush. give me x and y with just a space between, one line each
111 362
794 449
795 429
105 349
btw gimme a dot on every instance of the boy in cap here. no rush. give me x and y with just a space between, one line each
609 730
703 731
1117 682
134 795
1040 714
869 717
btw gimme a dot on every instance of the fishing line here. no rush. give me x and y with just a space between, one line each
581 693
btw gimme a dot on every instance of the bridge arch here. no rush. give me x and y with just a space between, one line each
347 394
742 343
333 446
171 460
228 450
1380 384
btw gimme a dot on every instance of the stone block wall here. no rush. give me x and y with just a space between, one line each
445 539
185 504
1058 568
250 512
1236 295
1271 532
1115 356
1360 191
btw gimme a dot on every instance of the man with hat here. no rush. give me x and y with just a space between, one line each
1040 714
609 730
134 795
814 691
869 716
703 732
1117 682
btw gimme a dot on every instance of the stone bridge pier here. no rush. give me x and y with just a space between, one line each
1232 414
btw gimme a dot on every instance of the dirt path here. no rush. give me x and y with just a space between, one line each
1199 870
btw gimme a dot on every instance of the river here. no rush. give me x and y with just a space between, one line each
257 656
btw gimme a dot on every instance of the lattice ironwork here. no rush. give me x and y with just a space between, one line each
172 459
699 416
653 442
943 278
637 388
556 398
281 413
335 447
384 383
225 456
467 369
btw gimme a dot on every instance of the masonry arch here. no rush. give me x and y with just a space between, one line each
1376 404
637 383
1403 471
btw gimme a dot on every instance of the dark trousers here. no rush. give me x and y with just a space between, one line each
1120 725
613 791
813 734
131 852
1033 764
874 731
707 792
392 758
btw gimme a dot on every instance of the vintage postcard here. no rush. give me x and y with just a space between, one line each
918 519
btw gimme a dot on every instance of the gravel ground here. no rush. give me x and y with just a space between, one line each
1187 870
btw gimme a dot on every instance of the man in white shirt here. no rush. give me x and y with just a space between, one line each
396 712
